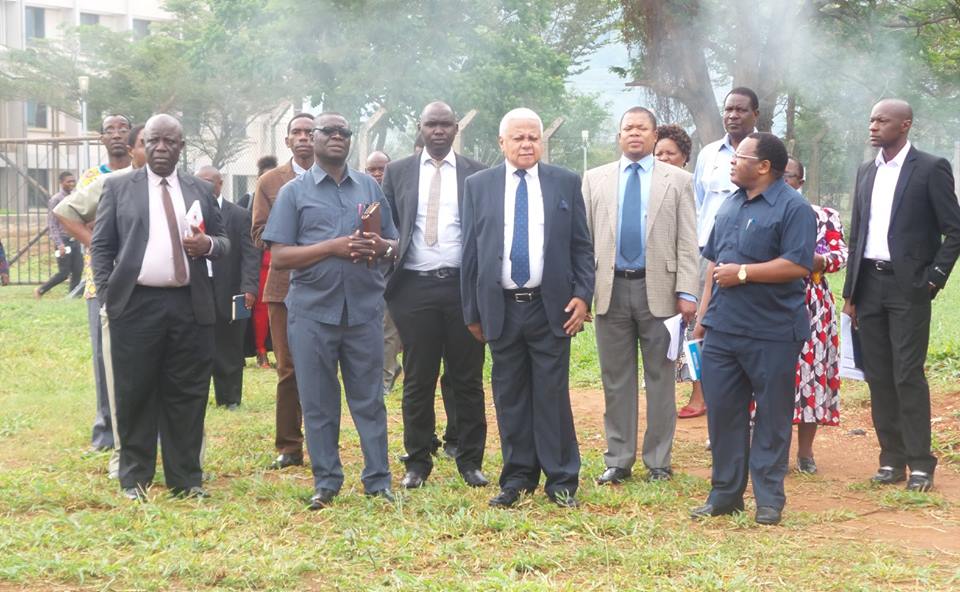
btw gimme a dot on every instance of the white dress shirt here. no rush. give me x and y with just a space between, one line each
447 250
157 269
881 204
297 169
712 185
535 236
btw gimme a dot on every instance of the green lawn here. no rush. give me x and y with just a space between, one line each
63 524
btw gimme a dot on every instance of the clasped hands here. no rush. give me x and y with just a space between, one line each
361 246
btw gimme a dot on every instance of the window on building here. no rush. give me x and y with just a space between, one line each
35 26
89 19
141 28
240 184
37 115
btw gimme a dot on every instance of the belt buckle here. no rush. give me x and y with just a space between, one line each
443 273
880 265
523 296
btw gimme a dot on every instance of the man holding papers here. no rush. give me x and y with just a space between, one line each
642 219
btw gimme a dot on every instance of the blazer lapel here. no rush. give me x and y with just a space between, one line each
496 204
548 191
659 183
461 177
413 195
908 166
141 185
609 202
865 193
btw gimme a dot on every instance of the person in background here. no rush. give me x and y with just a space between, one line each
260 319
69 257
673 145
4 268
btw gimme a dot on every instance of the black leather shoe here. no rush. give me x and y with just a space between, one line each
660 474
321 499
564 499
920 481
768 515
474 478
135 494
384 494
888 476
507 498
707 510
287 460
806 465
413 480
195 492
613 476
451 451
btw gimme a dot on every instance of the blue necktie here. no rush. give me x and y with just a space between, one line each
520 248
631 224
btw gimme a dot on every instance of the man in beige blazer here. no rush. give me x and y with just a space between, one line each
643 222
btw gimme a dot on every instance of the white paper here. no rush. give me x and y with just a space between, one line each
673 327
194 217
848 365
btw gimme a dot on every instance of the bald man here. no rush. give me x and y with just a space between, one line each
237 273
904 239
376 164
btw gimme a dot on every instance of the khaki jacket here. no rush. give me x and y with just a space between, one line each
268 186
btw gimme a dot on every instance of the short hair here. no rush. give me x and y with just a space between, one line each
296 117
803 172
265 163
133 135
679 137
639 109
106 117
771 148
65 174
519 113
745 92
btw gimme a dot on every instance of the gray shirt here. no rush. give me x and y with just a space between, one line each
313 208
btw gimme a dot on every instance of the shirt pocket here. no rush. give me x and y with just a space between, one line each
759 242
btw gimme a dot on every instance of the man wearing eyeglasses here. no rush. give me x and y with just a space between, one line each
335 305
755 322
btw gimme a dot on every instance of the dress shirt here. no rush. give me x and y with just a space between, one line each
312 208
534 225
646 173
297 169
54 229
881 204
446 252
157 269
712 184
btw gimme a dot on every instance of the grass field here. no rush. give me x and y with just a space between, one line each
64 525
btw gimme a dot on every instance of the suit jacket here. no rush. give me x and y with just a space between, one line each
401 185
671 234
924 232
268 187
568 268
120 240
238 271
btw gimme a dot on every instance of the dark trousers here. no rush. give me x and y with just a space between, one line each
289 437
429 317
735 369
228 361
69 265
531 394
162 361
894 334
450 408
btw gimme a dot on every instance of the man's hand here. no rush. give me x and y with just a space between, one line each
725 275
699 332
477 331
687 309
249 300
363 246
578 316
819 263
197 244
850 309
61 251
380 245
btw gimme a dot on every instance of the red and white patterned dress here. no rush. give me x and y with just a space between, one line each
818 380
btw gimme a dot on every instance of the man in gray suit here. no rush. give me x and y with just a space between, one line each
526 282
642 218
150 268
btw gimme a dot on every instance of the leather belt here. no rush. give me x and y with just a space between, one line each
630 274
441 273
523 294
879 265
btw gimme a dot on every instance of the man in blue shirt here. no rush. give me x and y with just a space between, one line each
760 249
335 305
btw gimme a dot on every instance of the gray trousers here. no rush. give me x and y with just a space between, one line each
318 349
627 323
102 422
392 346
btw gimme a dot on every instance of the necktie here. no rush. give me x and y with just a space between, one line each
520 247
433 206
631 224
179 268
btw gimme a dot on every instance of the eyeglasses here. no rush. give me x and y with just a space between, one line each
329 131
737 155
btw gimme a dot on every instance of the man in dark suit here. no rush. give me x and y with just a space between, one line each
903 242
526 280
236 273
149 263
425 192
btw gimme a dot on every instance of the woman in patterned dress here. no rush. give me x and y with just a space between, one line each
818 381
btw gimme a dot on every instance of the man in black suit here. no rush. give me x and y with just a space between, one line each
425 192
903 242
526 280
236 273
150 269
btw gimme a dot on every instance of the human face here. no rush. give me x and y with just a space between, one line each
745 165
791 175
114 135
138 154
888 126
438 127
163 141
335 146
300 138
637 135
739 118
68 184
667 151
521 143
376 165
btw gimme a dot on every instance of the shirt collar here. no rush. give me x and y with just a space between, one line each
646 163
319 174
450 158
728 144
220 201
154 179
533 171
897 160
297 169
772 193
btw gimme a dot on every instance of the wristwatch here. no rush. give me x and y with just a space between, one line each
388 254
742 274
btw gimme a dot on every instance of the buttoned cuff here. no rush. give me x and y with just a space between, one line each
687 297
210 250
